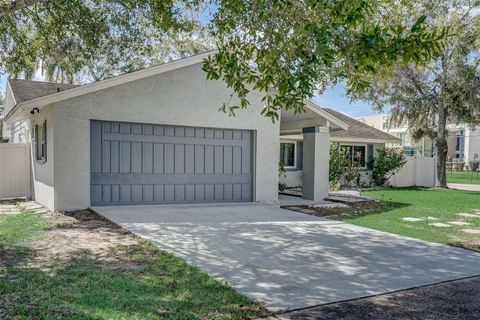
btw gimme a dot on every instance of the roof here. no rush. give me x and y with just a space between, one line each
24 90
44 93
358 130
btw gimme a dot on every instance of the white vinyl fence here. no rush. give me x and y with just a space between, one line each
14 170
418 171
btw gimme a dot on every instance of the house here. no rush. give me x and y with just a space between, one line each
156 136
463 141
361 141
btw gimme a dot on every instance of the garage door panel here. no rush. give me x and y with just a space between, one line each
135 163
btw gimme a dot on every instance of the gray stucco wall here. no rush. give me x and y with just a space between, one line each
180 97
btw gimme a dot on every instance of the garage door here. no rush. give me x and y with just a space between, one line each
133 163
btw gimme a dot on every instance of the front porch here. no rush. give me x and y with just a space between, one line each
305 158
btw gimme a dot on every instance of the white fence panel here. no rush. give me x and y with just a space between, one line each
14 170
418 171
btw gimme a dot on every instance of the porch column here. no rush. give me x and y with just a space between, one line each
316 149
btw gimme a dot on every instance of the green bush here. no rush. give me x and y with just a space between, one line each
385 164
473 165
338 163
459 166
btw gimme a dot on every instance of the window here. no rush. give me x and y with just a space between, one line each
356 154
287 154
386 126
40 133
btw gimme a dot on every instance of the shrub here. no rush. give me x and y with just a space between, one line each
473 165
459 166
352 173
387 162
338 163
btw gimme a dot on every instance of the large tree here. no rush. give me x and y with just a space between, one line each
446 90
287 49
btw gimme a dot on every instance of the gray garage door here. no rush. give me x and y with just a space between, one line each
133 163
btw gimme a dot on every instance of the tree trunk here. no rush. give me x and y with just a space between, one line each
442 150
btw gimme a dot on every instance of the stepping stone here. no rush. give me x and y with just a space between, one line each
472 231
459 223
440 225
432 218
411 219
468 215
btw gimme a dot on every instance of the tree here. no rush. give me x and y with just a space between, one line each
287 49
446 90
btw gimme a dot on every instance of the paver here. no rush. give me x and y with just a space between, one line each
440 225
472 231
411 219
459 223
468 215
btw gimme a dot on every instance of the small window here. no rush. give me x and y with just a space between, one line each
386 126
287 154
40 133
356 154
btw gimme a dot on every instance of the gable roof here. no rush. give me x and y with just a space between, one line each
24 90
358 130
49 93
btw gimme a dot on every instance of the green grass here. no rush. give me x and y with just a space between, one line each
463 177
152 285
417 202
15 229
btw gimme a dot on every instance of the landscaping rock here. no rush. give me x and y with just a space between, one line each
330 205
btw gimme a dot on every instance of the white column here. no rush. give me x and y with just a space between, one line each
316 155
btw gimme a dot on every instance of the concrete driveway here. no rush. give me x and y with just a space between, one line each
291 260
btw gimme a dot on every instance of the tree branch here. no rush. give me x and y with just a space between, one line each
10 6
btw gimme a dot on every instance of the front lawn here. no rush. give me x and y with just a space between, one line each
83 267
444 205
463 177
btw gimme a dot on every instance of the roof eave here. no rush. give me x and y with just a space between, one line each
315 108
42 101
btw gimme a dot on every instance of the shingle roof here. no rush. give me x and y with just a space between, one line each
358 130
24 90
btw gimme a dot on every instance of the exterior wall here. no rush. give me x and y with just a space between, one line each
42 173
376 121
180 97
472 144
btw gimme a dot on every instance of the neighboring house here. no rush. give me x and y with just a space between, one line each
463 141
362 141
156 136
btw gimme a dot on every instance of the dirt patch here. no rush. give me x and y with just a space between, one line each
74 235
349 208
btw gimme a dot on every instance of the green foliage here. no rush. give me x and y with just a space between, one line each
352 173
386 163
458 166
446 90
291 49
281 173
473 165
339 161
288 50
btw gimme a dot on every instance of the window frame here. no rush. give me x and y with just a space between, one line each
40 142
295 146
364 145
